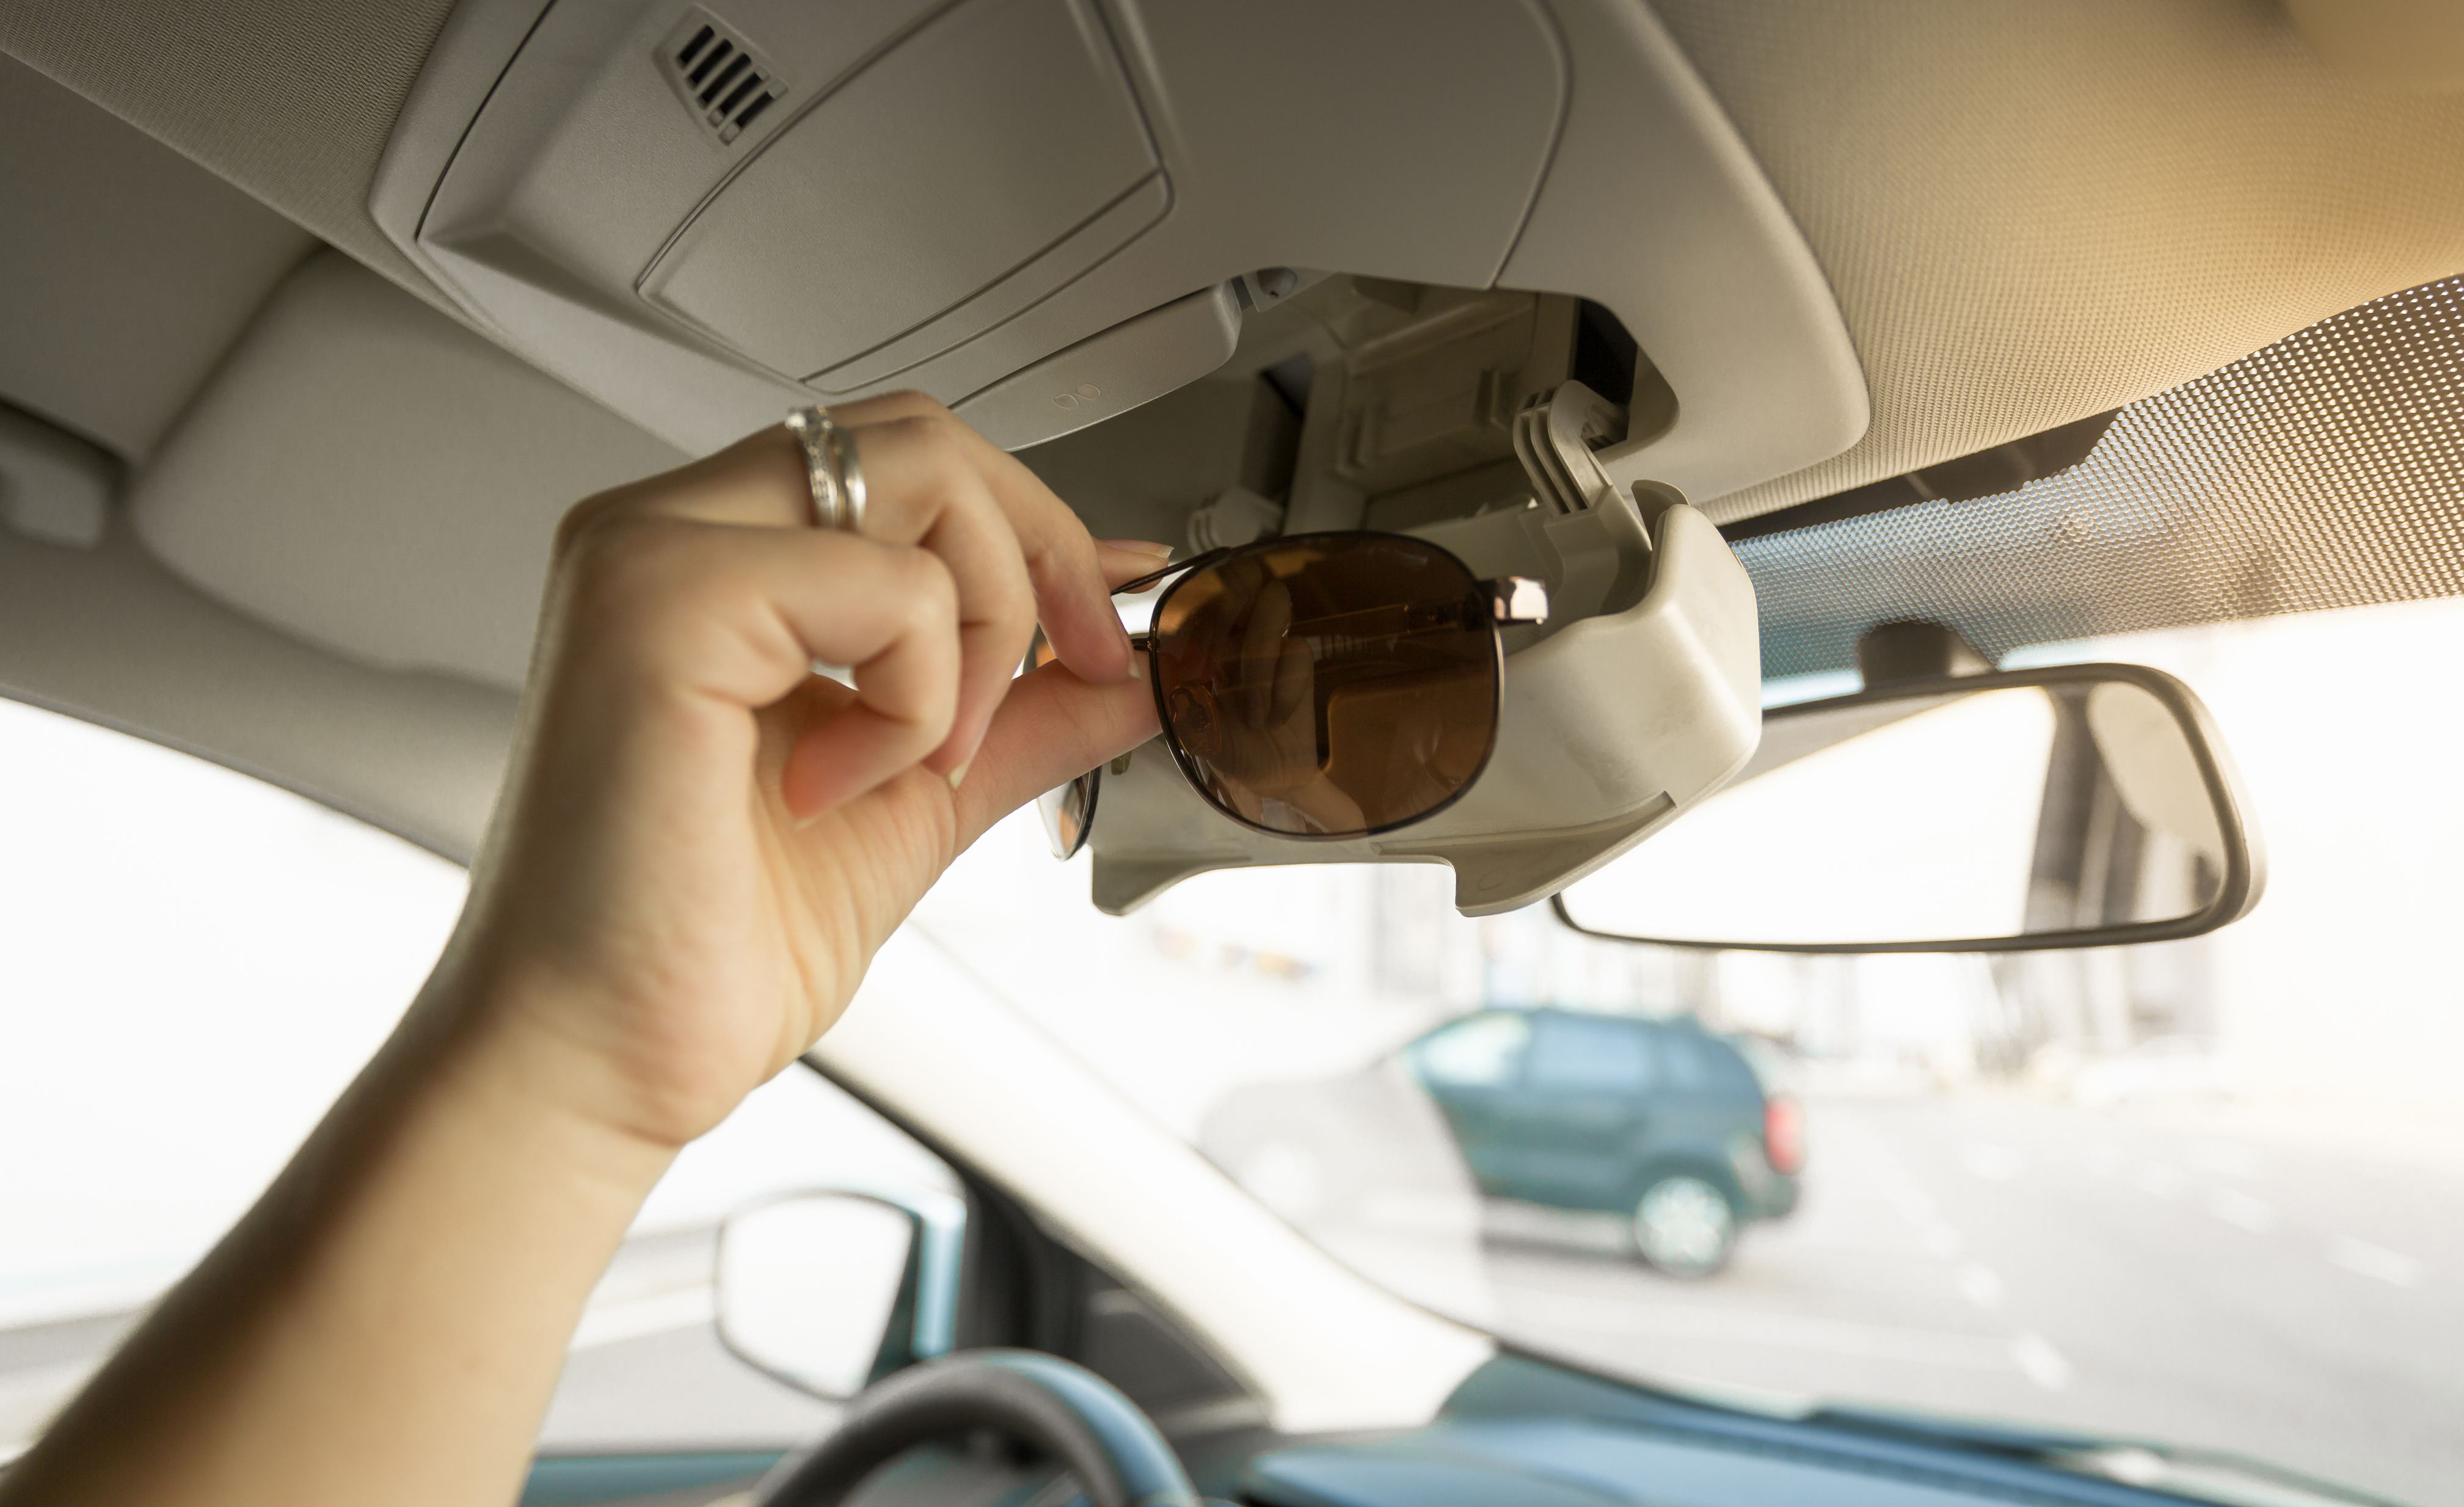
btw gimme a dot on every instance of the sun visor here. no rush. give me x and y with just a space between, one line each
368 476
1045 213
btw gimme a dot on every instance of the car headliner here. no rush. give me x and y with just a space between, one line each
2029 213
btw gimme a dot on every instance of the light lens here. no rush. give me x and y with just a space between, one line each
1069 813
1330 685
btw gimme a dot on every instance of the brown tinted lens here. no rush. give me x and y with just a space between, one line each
1069 813
1330 685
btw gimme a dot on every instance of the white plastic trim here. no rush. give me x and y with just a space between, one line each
1654 208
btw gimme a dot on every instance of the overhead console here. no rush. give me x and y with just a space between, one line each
1045 213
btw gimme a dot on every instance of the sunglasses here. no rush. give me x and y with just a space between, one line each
1320 686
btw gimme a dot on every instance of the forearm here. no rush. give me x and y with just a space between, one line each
702 843
388 1322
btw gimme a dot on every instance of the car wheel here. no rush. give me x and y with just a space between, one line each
1684 1226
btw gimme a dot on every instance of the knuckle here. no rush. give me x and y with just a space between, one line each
929 434
940 712
583 518
938 436
952 481
1013 604
936 475
932 591
622 568
916 402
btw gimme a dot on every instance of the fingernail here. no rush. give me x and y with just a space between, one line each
1138 664
1161 552
960 774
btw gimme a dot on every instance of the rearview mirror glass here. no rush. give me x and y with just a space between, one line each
811 1288
2082 806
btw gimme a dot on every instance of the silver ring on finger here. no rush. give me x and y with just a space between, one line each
833 477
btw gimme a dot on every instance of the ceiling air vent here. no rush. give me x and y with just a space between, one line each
719 78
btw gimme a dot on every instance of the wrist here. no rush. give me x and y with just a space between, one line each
496 1048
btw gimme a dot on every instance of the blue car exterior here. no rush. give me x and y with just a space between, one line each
1586 1111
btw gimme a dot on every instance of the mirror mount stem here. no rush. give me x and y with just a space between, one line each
1911 649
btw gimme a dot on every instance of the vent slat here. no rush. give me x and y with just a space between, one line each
717 76
724 77
735 96
724 50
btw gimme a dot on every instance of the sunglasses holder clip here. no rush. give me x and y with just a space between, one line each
1639 697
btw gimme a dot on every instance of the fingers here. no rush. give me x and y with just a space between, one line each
1052 727
758 481
1014 550
907 695
1125 561
1071 595
735 617
929 493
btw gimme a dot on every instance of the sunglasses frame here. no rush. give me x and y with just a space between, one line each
1508 597
1093 780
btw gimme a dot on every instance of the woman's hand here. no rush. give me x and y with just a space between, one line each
702 841
700 845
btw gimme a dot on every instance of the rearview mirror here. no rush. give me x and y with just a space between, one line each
2085 806
829 1292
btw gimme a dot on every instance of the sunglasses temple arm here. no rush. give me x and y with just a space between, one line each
1194 563
1513 600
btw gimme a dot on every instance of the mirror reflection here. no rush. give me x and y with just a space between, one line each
2077 803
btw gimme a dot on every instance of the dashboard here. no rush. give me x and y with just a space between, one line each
1521 1432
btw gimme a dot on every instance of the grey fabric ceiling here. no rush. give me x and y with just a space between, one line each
2034 212
291 99
2030 212
2325 470
125 271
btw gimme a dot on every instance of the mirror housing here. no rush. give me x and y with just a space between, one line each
829 1291
2139 831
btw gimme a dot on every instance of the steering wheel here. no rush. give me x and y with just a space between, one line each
1057 1405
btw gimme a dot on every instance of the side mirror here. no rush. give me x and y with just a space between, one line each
2085 806
829 1292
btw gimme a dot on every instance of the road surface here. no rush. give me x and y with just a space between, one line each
2186 1276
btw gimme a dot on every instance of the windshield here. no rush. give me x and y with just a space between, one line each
2206 1194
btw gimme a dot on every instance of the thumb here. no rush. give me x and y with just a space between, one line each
1051 728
